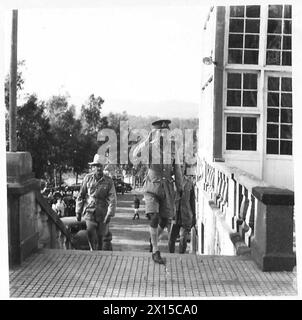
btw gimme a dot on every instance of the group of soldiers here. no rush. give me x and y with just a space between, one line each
168 194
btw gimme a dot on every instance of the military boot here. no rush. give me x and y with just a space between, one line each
157 258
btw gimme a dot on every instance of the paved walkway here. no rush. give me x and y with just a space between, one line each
84 274
128 271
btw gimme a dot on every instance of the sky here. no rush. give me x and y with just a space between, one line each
142 59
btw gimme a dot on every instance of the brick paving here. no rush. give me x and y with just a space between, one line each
119 274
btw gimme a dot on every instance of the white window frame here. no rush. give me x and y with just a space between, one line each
246 152
227 28
263 71
273 156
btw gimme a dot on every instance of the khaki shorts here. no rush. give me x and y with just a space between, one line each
160 205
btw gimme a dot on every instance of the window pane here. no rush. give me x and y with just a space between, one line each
250 98
286 147
286 84
249 125
236 11
286 132
234 80
233 124
274 42
287 11
275 11
273 99
273 57
233 141
249 142
287 42
286 100
272 115
235 56
252 41
252 25
286 116
287 27
273 131
250 57
272 147
274 26
286 58
253 11
233 98
273 83
235 41
250 81
236 25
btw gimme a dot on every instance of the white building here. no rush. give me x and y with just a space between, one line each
247 91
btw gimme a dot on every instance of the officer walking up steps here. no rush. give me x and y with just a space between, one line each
96 202
159 191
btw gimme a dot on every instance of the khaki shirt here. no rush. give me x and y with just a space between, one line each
97 198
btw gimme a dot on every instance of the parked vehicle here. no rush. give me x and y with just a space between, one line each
128 186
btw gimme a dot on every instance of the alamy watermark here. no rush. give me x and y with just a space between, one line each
141 146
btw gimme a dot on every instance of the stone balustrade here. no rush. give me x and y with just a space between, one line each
32 224
240 214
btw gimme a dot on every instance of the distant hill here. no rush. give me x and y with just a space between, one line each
140 122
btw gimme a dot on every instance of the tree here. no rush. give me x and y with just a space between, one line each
65 136
20 82
91 115
33 133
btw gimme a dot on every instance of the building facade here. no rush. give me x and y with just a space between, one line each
246 107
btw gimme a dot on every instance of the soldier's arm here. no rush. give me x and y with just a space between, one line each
112 200
178 173
81 198
193 204
142 145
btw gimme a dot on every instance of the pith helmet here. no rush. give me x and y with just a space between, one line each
161 124
96 160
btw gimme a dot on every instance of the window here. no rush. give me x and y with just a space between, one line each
279 115
241 89
241 133
243 38
279 35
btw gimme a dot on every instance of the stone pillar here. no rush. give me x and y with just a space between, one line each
21 210
272 242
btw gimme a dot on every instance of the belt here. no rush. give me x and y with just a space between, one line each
162 179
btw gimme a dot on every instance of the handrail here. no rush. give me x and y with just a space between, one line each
54 217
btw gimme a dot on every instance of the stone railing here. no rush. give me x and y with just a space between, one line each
32 224
52 233
242 215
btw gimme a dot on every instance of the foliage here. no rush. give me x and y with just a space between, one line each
33 133
20 82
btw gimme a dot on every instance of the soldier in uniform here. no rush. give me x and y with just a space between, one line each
159 191
96 202
185 217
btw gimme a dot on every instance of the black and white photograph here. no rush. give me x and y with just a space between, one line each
150 151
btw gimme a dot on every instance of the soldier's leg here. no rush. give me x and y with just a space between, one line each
174 231
183 239
101 230
91 234
107 244
154 230
154 239
152 208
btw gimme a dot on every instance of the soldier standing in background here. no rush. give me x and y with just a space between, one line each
185 217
